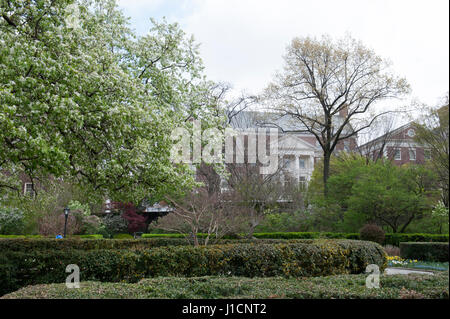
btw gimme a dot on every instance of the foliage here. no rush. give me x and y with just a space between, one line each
316 258
433 131
52 197
372 232
115 223
95 102
122 236
283 222
330 287
424 251
53 224
362 191
128 212
27 242
11 221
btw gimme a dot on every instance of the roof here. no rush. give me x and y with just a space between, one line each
390 133
255 119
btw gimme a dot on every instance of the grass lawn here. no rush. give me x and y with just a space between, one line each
341 286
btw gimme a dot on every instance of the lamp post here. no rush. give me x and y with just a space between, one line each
66 214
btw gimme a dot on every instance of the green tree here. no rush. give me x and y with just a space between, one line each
433 133
392 196
83 98
362 191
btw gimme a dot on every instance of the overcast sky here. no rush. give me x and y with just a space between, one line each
242 41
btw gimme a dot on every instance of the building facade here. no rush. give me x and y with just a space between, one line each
298 150
399 146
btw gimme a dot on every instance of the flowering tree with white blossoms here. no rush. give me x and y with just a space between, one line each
82 97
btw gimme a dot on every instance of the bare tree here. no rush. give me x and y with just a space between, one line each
327 86
198 212
374 140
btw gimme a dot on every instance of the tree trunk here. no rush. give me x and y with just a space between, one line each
326 171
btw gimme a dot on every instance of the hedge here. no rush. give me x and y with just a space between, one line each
27 244
396 238
21 236
312 258
425 251
94 236
390 238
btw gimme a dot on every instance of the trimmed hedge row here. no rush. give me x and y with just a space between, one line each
93 236
425 251
311 258
390 238
26 244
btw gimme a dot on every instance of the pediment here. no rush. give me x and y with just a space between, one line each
294 143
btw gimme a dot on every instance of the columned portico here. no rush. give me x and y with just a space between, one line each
297 158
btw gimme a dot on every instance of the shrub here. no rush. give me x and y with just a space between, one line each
372 232
91 236
114 223
11 221
396 238
52 223
21 236
128 211
311 258
392 250
123 236
80 243
425 251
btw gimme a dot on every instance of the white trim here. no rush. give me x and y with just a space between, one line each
25 189
409 154
399 152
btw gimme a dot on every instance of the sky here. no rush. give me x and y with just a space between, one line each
242 41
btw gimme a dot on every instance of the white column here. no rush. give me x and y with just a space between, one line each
297 167
311 168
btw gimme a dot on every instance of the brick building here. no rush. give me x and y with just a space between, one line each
397 145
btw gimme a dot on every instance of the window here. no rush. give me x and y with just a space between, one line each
411 132
301 162
412 154
397 154
427 154
29 190
303 181
286 162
